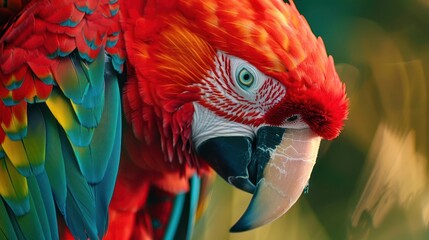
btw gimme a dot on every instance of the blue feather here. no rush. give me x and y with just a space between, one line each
85 9
188 213
18 135
8 101
58 53
69 23
183 215
114 11
117 62
90 110
15 85
176 213
194 196
91 43
109 43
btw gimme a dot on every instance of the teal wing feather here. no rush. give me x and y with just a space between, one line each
91 158
80 201
29 225
194 198
6 227
176 213
184 210
60 119
103 191
54 163
46 199
44 209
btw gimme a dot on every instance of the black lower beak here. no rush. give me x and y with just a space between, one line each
230 157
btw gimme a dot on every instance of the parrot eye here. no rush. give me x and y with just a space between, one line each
245 78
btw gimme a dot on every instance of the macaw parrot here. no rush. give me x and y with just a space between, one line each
114 113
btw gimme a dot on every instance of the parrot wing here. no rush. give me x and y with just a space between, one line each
60 117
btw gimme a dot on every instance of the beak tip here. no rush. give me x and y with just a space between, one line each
254 216
237 228
241 226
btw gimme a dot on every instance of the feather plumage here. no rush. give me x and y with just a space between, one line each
14 188
59 106
28 155
6 227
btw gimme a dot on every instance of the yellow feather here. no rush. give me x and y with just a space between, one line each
12 184
16 151
61 109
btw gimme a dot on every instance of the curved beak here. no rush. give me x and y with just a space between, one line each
275 167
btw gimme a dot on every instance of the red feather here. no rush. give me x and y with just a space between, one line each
38 33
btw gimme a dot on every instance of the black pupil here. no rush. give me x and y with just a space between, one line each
246 76
292 118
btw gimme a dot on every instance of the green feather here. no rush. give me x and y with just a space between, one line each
6 228
54 163
39 207
80 202
13 188
71 78
46 198
35 141
2 153
95 70
89 110
93 159
28 154
27 226
62 110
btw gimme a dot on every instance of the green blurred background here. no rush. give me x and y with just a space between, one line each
371 182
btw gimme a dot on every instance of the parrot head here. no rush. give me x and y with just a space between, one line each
243 86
